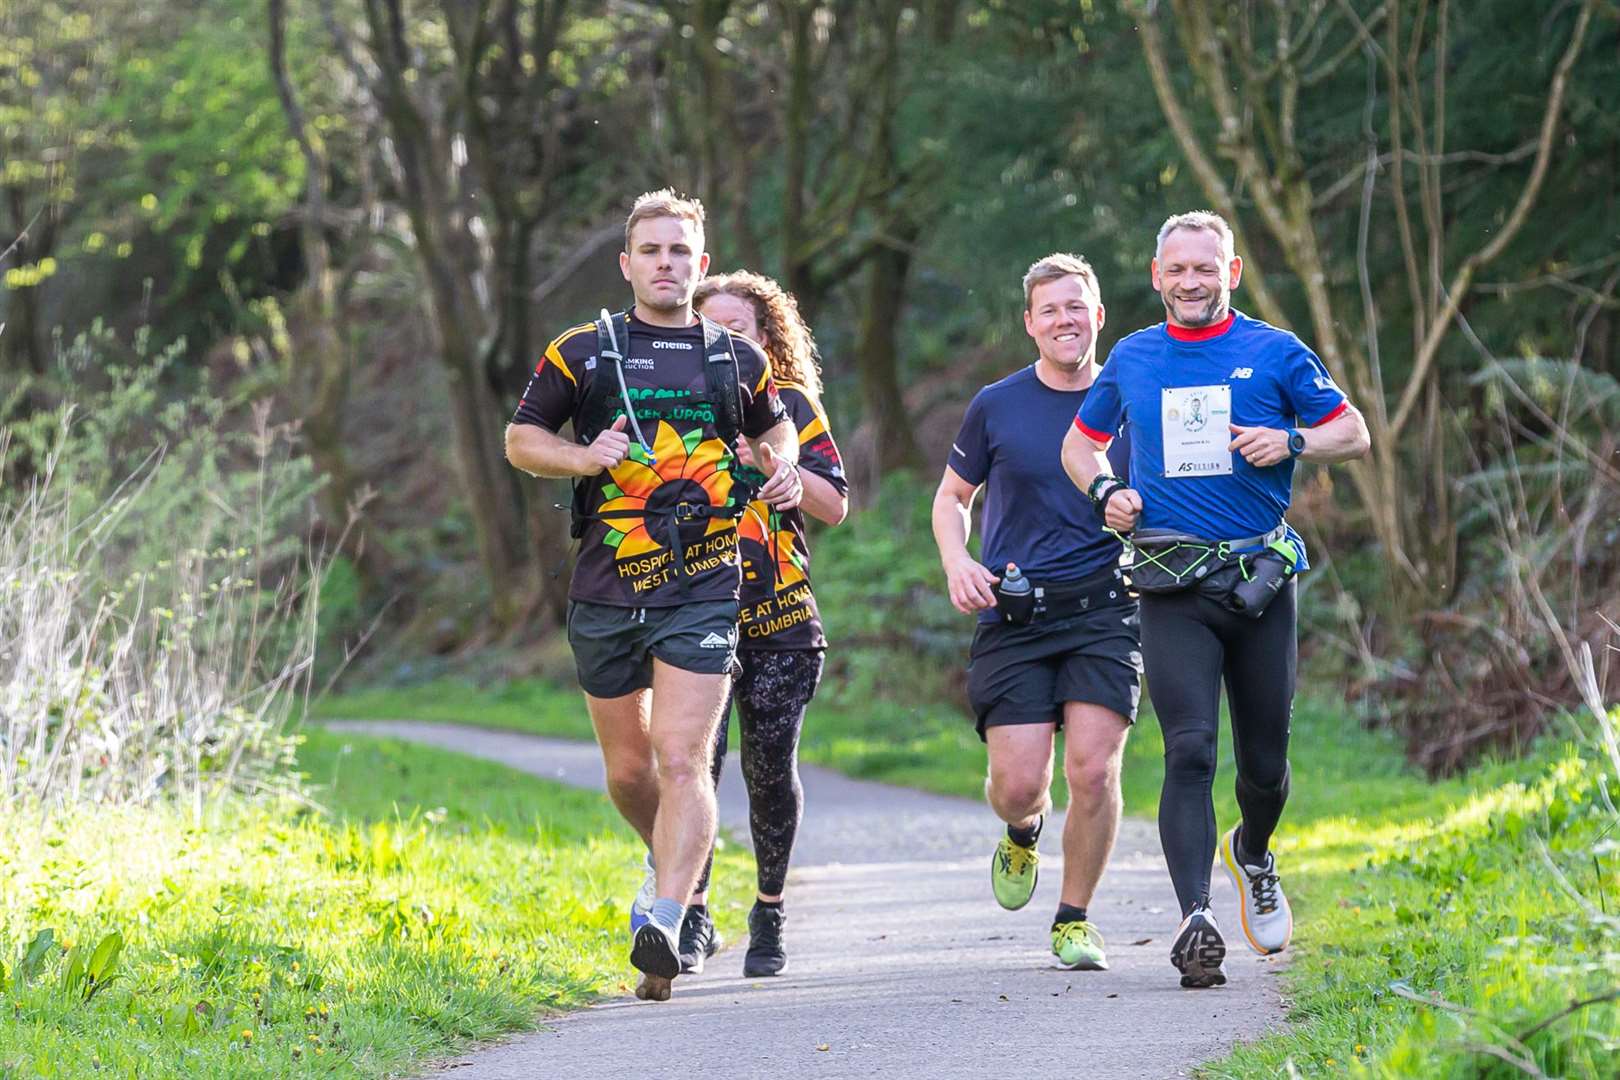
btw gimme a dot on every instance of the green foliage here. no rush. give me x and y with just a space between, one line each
153 603
437 901
212 169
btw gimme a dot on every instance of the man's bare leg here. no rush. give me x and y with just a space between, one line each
622 730
1094 747
1020 780
1018 790
685 710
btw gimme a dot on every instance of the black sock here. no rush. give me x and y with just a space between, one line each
1068 913
774 905
1026 837
701 909
1242 853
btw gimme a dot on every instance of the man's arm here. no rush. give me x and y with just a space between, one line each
1084 460
1344 438
969 582
539 452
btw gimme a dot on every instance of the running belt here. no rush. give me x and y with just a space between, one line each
1170 536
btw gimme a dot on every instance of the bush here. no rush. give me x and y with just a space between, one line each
156 621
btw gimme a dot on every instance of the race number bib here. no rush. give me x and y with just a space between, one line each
1197 430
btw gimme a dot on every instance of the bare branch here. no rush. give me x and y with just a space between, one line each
1412 157
1209 178
1430 349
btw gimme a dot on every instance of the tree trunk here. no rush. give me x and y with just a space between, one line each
877 354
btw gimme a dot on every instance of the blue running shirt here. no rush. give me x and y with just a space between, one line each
1159 383
1012 440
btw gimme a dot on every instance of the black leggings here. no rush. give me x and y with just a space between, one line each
1189 644
771 693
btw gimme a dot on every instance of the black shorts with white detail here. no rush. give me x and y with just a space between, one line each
1025 674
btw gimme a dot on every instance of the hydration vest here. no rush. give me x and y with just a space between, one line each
602 399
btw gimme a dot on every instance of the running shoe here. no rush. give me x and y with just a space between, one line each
1268 922
699 940
1078 946
1013 873
641 905
655 951
765 955
1199 950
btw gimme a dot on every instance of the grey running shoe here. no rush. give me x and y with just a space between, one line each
1199 951
655 951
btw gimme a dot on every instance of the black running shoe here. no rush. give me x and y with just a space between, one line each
1199 951
765 955
699 941
654 951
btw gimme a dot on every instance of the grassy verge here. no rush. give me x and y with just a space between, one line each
439 900
1400 886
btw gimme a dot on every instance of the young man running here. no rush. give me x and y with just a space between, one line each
1066 654
1219 406
652 617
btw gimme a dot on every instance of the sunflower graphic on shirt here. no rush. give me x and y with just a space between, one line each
764 527
686 468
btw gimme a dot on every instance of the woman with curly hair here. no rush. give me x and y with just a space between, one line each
781 644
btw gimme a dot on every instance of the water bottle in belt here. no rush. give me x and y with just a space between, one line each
1015 597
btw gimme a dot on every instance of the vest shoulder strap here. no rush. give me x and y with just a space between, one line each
722 380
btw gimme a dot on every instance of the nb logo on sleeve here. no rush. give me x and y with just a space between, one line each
1241 373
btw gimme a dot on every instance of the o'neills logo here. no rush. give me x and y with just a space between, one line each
672 345
1199 466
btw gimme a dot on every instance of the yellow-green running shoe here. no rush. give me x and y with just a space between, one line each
1013 871
1078 946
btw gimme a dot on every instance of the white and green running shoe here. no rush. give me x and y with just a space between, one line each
1078 946
1014 870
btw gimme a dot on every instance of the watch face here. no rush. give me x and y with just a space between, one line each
1296 443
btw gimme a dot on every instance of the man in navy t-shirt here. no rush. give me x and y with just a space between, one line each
1218 405
1065 653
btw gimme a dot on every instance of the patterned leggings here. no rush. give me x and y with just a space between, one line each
771 693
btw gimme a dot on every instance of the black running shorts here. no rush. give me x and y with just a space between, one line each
1025 674
614 646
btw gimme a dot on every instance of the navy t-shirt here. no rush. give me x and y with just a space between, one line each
1266 377
1012 440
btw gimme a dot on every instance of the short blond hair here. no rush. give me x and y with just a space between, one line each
665 202
1057 265
1198 220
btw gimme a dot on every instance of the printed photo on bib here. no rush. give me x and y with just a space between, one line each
1197 430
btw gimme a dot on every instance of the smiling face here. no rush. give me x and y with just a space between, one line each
1195 277
664 262
734 313
1063 318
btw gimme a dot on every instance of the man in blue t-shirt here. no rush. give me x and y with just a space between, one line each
1065 653
1218 405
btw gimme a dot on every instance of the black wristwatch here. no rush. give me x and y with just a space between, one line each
1296 442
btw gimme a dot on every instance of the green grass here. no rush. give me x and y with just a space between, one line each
437 900
1396 882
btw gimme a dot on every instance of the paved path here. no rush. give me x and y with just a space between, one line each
902 965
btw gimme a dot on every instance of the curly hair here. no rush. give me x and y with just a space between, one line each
788 343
